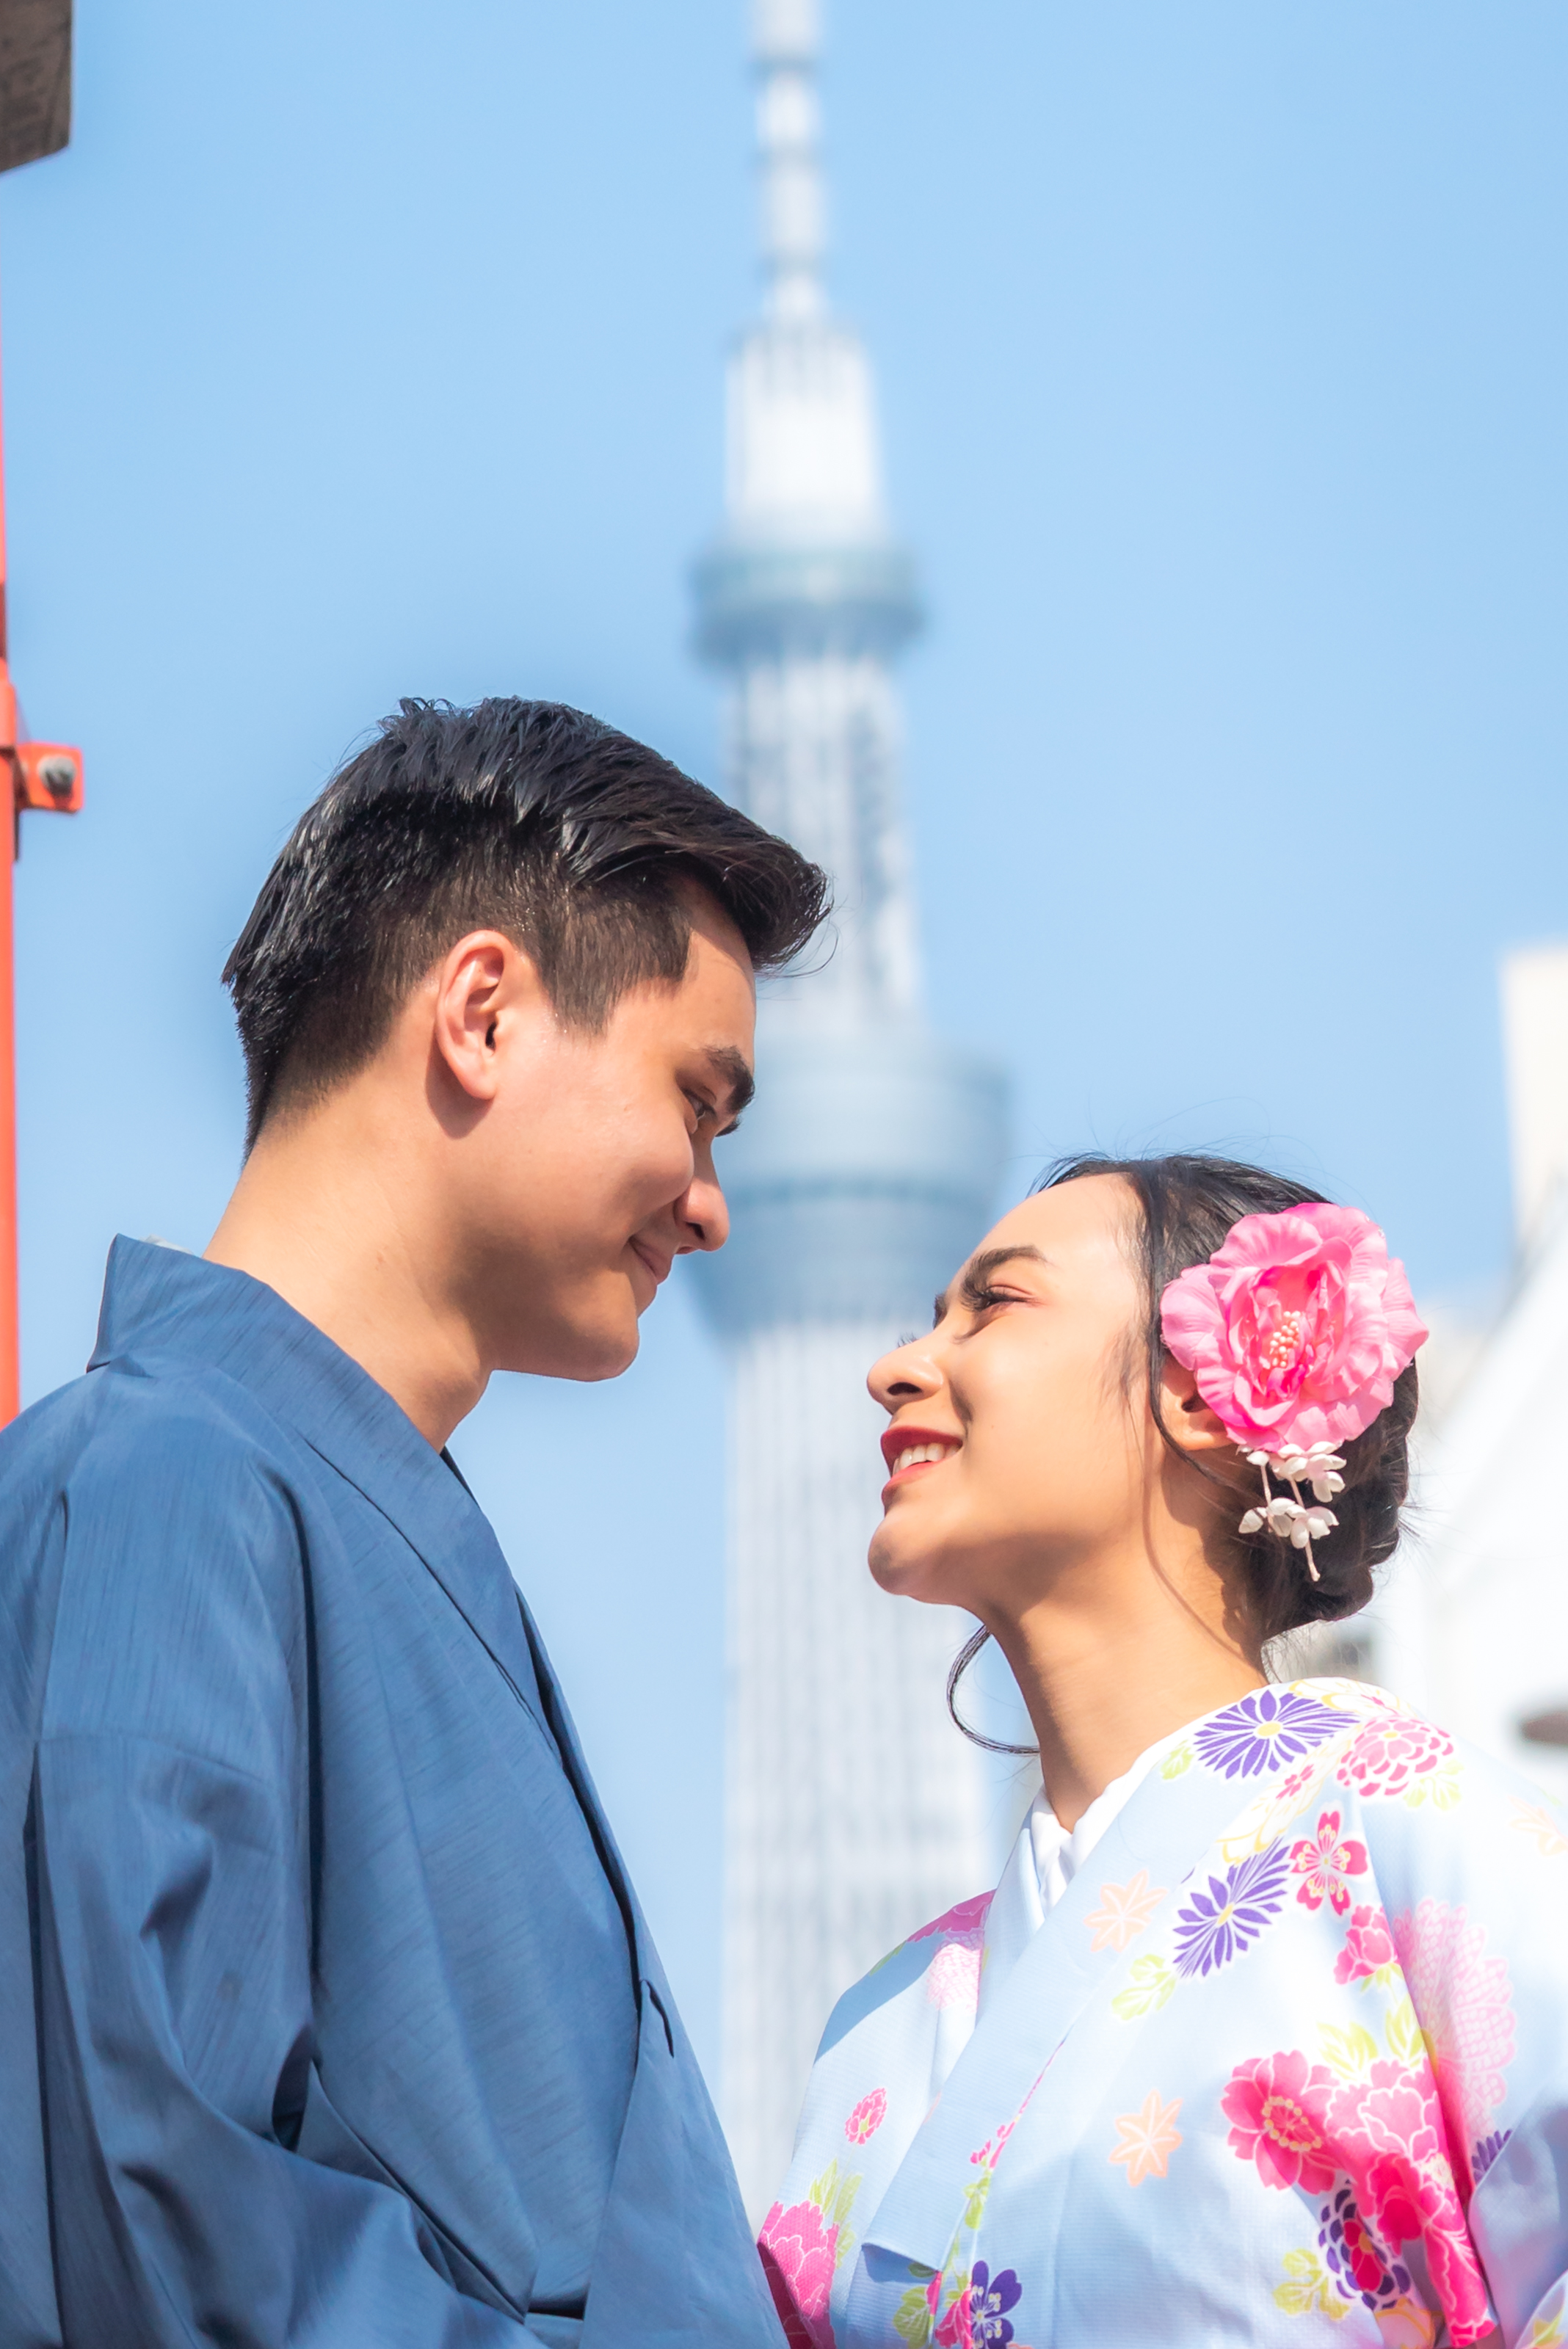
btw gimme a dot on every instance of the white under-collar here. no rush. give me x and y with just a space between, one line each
1043 1862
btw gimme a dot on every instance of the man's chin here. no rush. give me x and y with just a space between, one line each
613 1366
584 1354
604 1355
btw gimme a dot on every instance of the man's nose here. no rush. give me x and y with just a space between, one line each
704 1216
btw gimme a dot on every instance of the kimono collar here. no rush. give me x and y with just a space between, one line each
165 1310
1211 1805
1043 1863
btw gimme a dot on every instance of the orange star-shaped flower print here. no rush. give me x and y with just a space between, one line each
1147 2138
1125 1910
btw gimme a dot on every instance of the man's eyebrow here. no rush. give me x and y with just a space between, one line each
979 1269
736 1080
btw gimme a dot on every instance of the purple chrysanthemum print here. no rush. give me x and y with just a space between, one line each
1217 1923
990 2298
1487 2152
1264 1732
1355 2258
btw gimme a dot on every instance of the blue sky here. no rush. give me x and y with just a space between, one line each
353 351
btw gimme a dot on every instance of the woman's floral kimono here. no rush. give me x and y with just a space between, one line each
1288 2063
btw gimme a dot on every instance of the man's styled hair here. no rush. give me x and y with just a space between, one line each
520 816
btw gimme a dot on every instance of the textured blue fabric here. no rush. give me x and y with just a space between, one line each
328 2017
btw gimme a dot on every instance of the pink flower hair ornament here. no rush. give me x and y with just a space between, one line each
1295 1330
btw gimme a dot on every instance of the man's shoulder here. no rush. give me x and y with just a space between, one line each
150 1552
147 1392
186 1436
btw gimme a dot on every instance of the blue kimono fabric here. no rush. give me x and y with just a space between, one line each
328 2017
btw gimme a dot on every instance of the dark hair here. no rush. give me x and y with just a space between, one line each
1185 1204
523 816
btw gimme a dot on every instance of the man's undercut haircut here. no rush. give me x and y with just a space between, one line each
525 817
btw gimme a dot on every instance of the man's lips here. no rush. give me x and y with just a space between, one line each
654 1258
911 1451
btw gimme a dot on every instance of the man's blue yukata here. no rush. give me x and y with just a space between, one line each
328 2017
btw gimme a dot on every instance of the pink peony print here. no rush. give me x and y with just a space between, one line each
1297 1327
965 1923
1381 2141
956 2329
1393 1752
1392 2112
1323 1861
798 2254
1368 1947
1278 2105
1387 2134
867 2117
1465 2004
953 1978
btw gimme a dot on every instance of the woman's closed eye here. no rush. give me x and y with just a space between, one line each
984 1296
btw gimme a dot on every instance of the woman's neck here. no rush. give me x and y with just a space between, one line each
1103 1683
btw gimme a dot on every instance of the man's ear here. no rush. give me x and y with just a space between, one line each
482 987
1192 1424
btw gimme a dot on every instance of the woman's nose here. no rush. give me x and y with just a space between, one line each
904 1375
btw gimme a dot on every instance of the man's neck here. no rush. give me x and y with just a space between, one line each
1102 1683
336 1225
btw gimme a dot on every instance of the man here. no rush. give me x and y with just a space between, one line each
328 2017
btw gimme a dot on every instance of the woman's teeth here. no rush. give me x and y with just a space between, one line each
918 1453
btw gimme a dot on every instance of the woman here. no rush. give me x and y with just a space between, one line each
1262 2036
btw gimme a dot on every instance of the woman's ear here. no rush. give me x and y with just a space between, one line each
1189 1420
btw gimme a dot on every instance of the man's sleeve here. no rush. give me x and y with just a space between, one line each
171 1864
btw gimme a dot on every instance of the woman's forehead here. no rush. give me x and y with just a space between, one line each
1086 1217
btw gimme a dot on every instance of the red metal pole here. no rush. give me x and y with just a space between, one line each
35 122
44 775
11 817
10 1302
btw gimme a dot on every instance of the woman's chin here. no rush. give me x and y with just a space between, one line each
898 1565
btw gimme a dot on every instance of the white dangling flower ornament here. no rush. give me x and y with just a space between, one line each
1295 1330
1318 1465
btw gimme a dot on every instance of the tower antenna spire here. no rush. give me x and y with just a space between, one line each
787 44
863 1176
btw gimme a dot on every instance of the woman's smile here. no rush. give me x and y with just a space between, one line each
909 1452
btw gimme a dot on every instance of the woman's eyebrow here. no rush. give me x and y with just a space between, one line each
979 1269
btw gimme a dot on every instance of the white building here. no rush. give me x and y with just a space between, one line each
1473 1626
864 1173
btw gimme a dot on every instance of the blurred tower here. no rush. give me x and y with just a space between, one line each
863 1174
